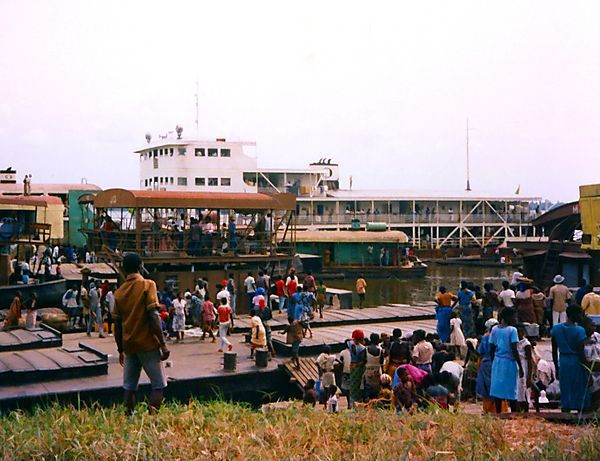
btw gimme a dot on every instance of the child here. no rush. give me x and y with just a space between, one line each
224 313
179 316
386 394
332 401
405 394
321 297
208 317
457 338
524 383
310 396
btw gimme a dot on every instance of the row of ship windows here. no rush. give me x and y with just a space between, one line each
183 181
198 152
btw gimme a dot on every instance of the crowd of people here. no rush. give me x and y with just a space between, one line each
500 330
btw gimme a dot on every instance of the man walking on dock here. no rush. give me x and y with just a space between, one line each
361 289
138 333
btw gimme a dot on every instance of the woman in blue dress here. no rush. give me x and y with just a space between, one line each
568 355
465 298
506 366
484 374
443 313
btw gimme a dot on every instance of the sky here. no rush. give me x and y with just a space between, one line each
383 88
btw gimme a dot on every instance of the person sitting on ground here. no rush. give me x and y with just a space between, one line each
404 393
385 396
434 392
310 396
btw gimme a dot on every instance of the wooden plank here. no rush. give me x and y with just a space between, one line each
6 338
62 357
14 362
25 336
37 360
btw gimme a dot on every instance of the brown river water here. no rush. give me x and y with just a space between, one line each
414 291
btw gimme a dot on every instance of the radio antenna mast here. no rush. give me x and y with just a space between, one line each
468 170
196 121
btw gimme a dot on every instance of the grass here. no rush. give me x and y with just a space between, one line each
225 431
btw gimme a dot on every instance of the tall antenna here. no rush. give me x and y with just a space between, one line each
196 121
468 170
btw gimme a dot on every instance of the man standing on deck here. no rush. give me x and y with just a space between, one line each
138 333
361 289
560 296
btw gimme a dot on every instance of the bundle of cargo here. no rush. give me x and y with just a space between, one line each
55 317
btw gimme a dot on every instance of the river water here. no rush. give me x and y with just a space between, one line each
414 291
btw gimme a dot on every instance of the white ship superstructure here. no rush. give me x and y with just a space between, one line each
432 219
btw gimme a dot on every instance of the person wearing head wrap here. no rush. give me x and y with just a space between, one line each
484 375
258 338
357 365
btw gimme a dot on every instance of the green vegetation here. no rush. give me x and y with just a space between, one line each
226 431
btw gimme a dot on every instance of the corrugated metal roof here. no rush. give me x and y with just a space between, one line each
29 200
122 198
351 237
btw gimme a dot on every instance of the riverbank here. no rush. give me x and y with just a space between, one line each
225 431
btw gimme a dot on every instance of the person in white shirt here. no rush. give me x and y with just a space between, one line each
506 296
110 305
516 276
250 286
223 294
345 359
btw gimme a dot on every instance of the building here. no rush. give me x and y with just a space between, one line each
76 216
431 219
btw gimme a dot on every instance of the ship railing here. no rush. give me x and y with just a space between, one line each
168 243
412 218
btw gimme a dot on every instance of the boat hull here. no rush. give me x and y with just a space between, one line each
341 272
49 293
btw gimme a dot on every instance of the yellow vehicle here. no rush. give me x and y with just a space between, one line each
589 206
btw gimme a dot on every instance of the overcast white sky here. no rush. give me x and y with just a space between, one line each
384 88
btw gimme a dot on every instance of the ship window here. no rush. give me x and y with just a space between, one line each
155 152
171 180
171 151
182 181
155 162
145 182
212 152
200 151
181 150
200 181
225 181
213 181
586 239
225 152
161 179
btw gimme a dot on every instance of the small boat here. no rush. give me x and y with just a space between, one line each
476 261
49 293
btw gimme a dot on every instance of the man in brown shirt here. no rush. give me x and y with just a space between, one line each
138 333
560 296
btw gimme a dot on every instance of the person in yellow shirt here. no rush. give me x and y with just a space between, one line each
591 303
361 289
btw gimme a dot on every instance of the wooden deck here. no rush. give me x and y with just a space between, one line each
37 365
336 336
37 338
308 370
337 317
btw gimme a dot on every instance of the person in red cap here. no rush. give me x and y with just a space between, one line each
358 358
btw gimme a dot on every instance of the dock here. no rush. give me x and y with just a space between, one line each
195 368
337 317
335 337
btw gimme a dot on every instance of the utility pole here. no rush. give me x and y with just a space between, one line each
468 170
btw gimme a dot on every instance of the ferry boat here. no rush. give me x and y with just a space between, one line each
430 219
